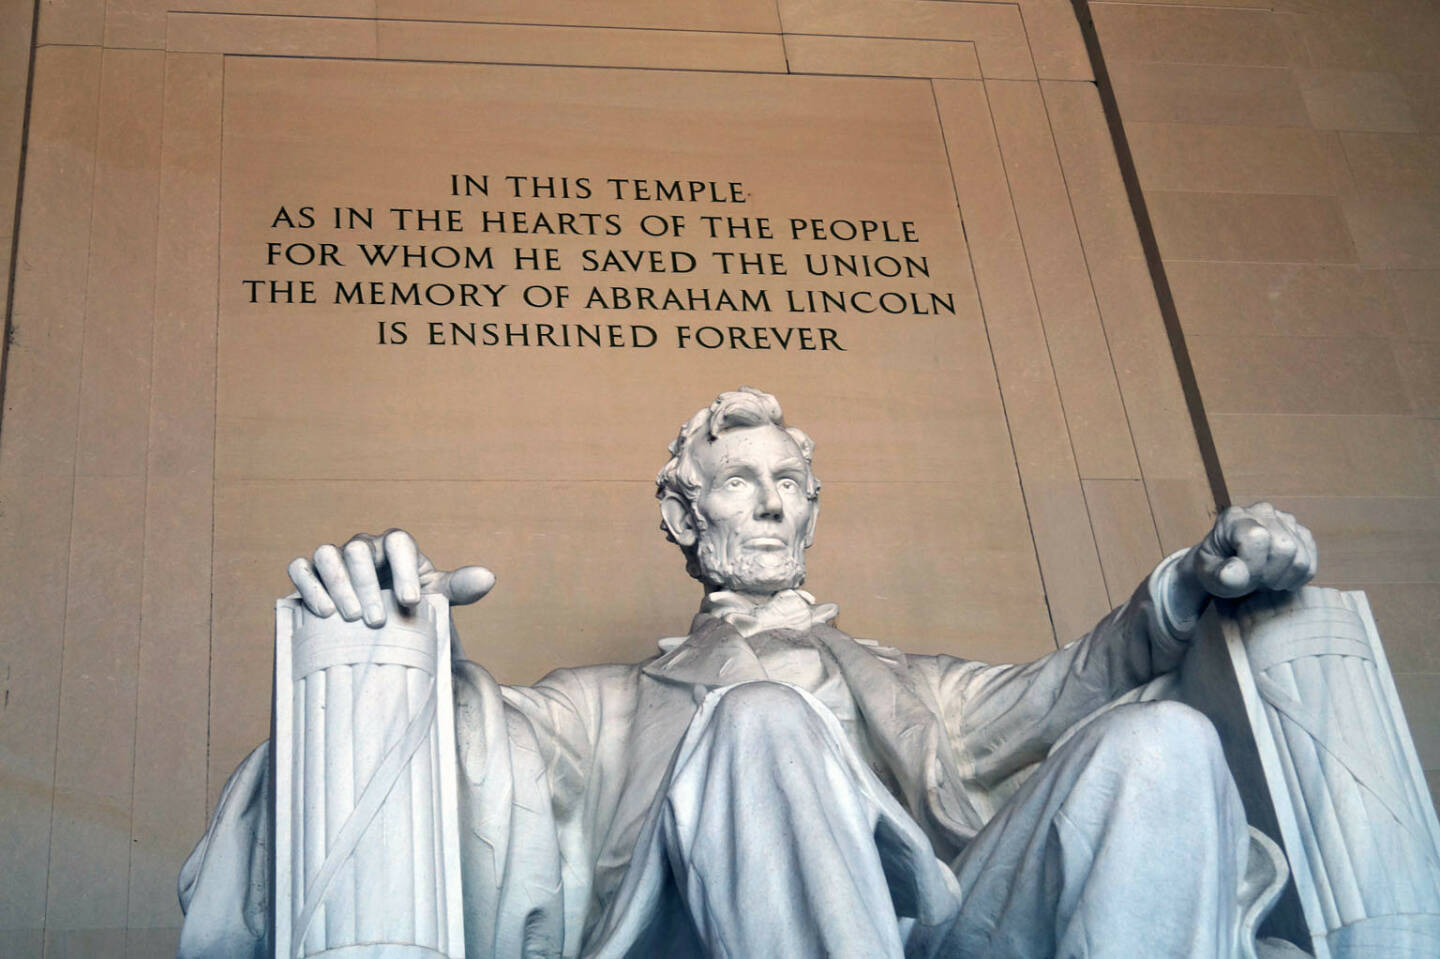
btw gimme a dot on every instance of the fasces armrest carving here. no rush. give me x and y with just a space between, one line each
1315 735
366 824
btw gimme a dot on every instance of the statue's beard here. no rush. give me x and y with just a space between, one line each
752 571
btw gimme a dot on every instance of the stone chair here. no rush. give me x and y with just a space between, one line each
1345 857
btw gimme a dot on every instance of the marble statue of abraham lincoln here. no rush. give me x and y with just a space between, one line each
767 785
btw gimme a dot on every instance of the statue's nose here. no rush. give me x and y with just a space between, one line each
769 505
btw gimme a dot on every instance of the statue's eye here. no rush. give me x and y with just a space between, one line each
788 485
735 482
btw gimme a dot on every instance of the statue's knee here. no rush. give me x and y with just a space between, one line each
1167 740
762 709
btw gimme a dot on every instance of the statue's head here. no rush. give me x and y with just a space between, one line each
738 495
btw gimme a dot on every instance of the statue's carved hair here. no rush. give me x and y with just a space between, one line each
737 409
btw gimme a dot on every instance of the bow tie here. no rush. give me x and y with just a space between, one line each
787 609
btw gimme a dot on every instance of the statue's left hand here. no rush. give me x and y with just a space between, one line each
1252 548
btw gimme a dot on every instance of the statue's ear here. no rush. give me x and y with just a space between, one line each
679 522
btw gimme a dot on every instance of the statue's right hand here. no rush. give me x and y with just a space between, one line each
348 580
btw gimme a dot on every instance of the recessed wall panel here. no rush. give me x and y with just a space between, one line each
479 300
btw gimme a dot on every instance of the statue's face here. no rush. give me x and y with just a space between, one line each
754 520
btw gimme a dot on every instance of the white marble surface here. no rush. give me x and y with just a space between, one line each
1339 766
366 829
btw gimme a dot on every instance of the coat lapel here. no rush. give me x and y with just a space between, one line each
714 654
909 733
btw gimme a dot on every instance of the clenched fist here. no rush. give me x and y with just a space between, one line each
1248 549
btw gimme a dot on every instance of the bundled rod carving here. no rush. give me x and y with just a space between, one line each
366 840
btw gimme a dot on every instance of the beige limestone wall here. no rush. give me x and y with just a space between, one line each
1289 156
167 446
17 20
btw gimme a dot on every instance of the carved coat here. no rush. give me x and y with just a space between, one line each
556 779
